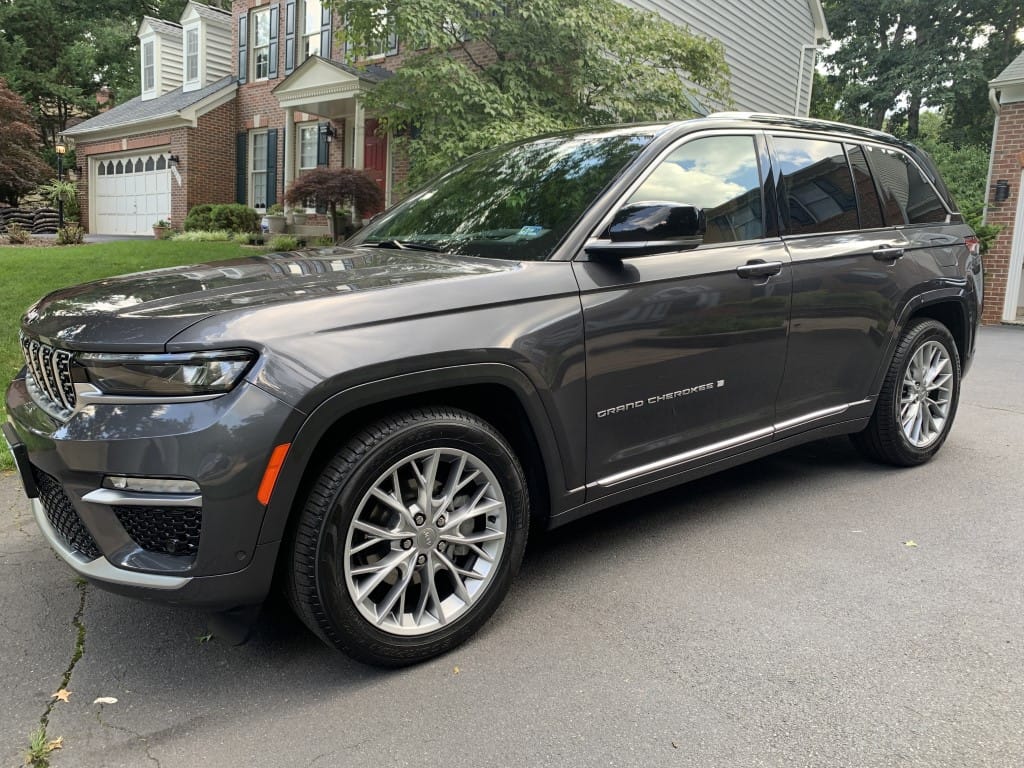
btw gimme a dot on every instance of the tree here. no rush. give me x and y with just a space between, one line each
482 72
331 187
21 168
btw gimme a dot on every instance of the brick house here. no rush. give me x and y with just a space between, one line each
235 105
1004 263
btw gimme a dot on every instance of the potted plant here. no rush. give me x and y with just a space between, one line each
275 219
332 188
162 229
298 216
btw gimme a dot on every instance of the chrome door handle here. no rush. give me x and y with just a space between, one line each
759 269
885 253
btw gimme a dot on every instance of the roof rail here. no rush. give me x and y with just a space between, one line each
802 122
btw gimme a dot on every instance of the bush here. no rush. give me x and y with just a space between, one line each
284 243
17 234
249 238
325 240
233 217
200 236
71 234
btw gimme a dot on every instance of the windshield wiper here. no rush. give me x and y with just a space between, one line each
406 245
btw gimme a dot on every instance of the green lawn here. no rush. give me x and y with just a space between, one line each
28 273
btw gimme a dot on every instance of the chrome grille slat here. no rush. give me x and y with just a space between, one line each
49 380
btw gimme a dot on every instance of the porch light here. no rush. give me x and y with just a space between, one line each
1002 191
329 133
61 148
173 160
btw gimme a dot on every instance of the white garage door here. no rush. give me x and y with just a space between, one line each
130 194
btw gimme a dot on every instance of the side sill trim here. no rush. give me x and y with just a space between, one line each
100 569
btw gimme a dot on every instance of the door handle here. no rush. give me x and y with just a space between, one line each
759 268
887 253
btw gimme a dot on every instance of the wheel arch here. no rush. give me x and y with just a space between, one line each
496 392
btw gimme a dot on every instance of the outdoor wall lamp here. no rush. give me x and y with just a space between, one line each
1002 191
173 159
329 133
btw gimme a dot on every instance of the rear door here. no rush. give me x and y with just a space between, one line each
685 348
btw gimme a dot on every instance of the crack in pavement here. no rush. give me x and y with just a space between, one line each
138 736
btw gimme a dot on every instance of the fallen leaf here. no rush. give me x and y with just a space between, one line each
674 745
910 543
456 671
105 700
57 743
205 638
62 694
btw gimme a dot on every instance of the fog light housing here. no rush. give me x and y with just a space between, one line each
150 484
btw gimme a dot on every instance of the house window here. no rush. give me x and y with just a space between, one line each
192 55
261 44
312 11
258 170
148 67
385 40
308 135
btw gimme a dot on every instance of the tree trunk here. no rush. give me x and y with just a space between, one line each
913 116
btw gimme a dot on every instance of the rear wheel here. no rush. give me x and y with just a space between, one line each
410 537
918 399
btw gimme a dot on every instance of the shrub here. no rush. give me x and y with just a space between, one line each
284 243
200 236
17 234
55 192
249 238
325 240
275 210
198 218
334 187
70 234
234 217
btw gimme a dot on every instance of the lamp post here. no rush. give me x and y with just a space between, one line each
60 148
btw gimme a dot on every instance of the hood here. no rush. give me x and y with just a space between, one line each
142 311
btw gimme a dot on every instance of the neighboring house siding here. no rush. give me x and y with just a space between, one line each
169 69
763 44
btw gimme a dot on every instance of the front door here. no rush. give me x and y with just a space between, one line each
685 349
375 158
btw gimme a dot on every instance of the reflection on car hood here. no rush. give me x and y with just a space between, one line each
141 309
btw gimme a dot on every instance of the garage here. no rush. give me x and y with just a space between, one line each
130 193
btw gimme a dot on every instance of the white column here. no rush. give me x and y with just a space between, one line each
289 148
358 135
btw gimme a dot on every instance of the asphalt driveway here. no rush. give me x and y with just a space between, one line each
808 610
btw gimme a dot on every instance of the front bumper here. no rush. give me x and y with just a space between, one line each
197 549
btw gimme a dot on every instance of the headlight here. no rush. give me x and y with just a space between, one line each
177 375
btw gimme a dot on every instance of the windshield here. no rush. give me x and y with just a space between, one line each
514 202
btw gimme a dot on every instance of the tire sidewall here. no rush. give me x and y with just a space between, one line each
347 623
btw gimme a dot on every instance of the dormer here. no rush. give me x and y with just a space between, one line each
160 55
206 45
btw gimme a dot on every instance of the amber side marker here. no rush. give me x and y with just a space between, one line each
271 473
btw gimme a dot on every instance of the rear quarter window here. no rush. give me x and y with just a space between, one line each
907 197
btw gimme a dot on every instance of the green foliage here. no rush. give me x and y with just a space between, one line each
275 210
489 72
70 234
207 236
17 234
283 243
233 217
249 238
325 240
55 192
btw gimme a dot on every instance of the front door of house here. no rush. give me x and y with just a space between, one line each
375 156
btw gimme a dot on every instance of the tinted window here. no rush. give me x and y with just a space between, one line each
907 197
867 195
817 185
718 174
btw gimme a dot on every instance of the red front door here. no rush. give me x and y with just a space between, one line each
375 157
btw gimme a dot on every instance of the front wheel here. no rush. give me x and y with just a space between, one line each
410 537
918 399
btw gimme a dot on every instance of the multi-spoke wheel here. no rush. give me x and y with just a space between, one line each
918 398
410 537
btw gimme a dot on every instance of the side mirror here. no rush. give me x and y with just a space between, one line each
655 220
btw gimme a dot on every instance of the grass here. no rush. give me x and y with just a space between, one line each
29 273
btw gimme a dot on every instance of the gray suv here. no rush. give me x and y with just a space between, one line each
548 329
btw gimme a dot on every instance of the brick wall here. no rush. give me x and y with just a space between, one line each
1007 163
211 158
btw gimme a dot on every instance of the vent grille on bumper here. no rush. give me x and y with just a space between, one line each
48 377
167 530
63 517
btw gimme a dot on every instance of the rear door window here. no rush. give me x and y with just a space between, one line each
818 194
907 197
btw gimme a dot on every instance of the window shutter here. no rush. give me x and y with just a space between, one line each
275 28
321 144
243 58
325 32
241 155
289 37
271 166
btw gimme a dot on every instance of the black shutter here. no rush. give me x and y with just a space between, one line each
325 32
241 180
243 58
271 167
321 144
289 37
275 28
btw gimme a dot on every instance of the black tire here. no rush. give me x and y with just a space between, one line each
318 584
884 439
